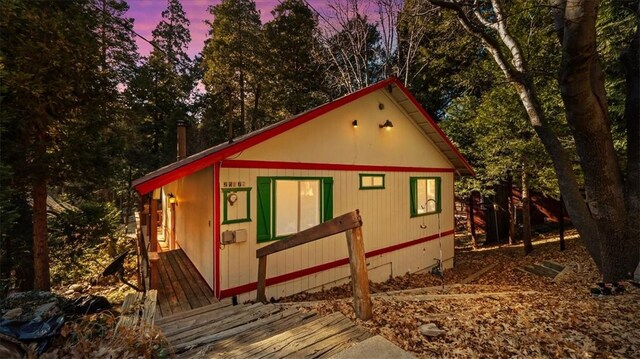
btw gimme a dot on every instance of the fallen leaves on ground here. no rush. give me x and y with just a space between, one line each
535 318
95 336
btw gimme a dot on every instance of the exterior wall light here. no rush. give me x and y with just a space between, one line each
355 123
386 125
172 198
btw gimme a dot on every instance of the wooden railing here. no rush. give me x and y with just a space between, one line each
351 224
142 255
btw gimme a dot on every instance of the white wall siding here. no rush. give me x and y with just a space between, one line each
194 219
330 138
387 222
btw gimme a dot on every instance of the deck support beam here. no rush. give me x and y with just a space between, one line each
359 276
153 234
262 279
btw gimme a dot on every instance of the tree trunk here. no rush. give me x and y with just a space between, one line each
242 109
512 212
498 216
472 221
506 52
254 117
561 224
42 279
632 116
584 97
491 228
526 215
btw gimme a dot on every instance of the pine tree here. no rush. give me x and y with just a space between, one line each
293 66
164 83
57 84
232 60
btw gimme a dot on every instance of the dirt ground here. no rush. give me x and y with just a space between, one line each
504 313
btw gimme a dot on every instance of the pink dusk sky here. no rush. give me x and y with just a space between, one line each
148 13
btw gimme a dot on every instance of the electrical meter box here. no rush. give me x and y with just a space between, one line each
237 236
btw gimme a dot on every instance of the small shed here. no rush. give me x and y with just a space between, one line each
376 150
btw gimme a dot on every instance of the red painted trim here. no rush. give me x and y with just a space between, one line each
285 277
156 182
325 266
433 124
327 166
216 228
407 244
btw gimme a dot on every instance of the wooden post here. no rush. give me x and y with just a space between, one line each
153 223
262 279
359 276
154 276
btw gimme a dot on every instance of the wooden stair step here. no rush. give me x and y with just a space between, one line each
246 334
295 339
553 265
549 272
192 335
540 270
169 329
193 312
334 344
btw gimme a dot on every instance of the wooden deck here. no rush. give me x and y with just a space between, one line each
181 288
259 330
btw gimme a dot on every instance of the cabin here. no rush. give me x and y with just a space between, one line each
376 150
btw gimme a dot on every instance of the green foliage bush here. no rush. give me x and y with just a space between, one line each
83 241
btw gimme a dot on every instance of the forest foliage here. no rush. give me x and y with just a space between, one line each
83 113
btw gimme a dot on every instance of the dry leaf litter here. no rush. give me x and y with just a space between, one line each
505 313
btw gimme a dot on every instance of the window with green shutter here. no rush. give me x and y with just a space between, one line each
288 205
424 196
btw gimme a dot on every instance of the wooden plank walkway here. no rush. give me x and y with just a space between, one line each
259 330
181 288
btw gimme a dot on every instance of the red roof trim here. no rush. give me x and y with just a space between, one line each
326 266
190 164
434 125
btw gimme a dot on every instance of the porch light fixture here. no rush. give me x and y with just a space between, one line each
355 123
172 198
386 125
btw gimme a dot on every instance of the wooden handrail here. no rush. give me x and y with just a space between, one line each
351 224
337 225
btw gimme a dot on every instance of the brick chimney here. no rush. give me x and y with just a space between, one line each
182 140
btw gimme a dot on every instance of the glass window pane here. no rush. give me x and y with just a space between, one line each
377 181
309 204
431 195
422 196
366 181
286 207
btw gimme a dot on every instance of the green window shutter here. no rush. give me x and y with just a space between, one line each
264 209
327 200
413 188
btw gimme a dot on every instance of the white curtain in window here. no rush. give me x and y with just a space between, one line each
309 204
297 205
286 207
